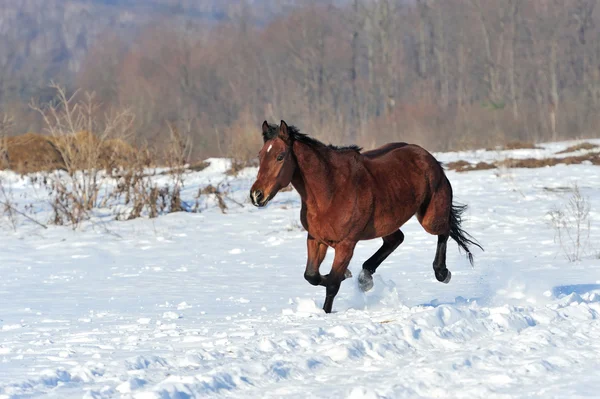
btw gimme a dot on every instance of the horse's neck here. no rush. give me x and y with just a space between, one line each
313 176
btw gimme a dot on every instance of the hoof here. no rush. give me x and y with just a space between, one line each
448 277
443 276
348 274
365 280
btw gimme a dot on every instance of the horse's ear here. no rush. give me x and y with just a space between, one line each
265 131
284 133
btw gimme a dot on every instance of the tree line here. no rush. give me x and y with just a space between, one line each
447 74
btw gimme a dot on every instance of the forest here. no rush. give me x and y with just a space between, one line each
446 74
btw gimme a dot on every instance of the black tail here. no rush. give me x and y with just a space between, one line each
462 238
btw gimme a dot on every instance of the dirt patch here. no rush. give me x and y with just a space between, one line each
464 166
594 159
579 147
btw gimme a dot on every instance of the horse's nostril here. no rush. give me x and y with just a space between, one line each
256 196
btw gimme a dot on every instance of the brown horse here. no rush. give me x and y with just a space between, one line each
348 196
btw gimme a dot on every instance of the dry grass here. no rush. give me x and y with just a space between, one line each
141 193
32 152
71 121
218 194
116 153
578 147
88 143
572 224
198 166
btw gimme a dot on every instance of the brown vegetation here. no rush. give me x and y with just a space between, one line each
578 147
594 159
116 153
30 153
464 166
98 171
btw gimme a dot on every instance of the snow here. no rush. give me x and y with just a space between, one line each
215 305
543 150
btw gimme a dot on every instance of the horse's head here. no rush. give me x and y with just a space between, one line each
277 164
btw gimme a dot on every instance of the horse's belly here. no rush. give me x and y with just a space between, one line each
389 216
332 229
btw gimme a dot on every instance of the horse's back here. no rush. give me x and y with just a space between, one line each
371 154
399 156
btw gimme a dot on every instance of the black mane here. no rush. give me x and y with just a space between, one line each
271 133
296 135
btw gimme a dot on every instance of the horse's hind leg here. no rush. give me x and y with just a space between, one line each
442 274
435 219
390 243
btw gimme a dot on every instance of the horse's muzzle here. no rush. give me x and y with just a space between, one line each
258 198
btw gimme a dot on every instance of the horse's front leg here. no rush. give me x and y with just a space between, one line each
343 255
316 254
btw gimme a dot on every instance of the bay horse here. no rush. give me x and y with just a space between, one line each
348 196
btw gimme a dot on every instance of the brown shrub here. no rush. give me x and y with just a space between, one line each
79 139
32 152
244 142
198 166
84 150
116 153
578 147
80 151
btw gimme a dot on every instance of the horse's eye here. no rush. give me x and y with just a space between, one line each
280 156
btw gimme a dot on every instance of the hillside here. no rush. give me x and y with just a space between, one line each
445 74
49 39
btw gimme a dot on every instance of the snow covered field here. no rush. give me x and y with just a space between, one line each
213 305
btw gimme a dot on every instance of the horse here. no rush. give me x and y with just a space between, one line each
349 195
